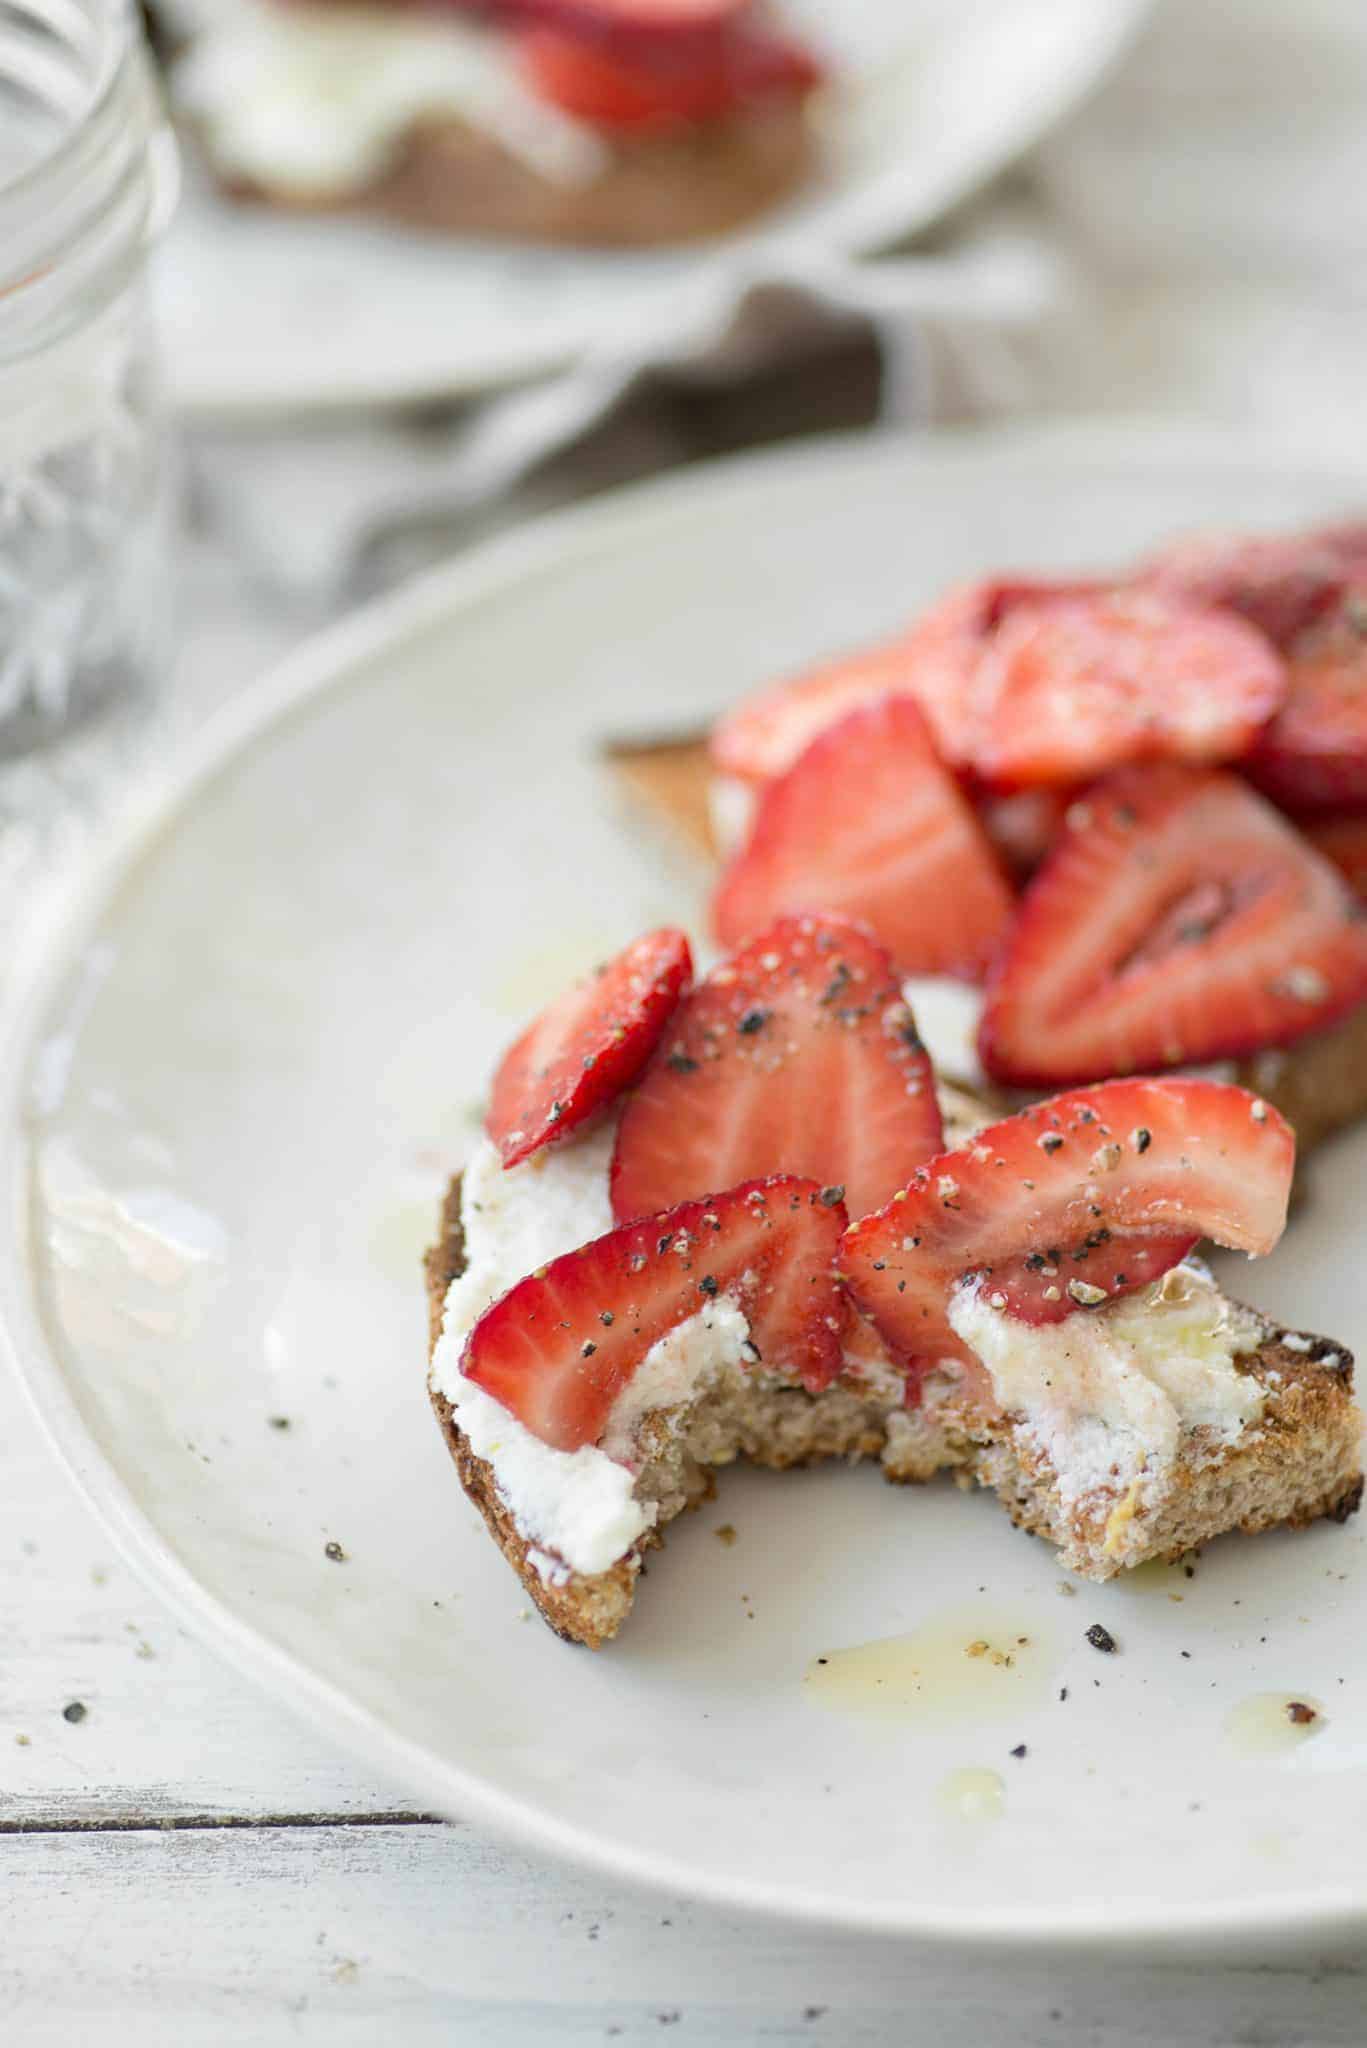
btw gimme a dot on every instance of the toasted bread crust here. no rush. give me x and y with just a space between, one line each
1300 1464
582 1610
451 178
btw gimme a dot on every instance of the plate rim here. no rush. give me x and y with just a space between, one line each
50 950
867 220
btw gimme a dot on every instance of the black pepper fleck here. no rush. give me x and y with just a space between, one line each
680 1063
335 1551
278 1421
1101 1638
588 1350
708 1284
753 1021
1019 1749
832 1195
73 1711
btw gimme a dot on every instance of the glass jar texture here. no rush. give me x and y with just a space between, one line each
87 178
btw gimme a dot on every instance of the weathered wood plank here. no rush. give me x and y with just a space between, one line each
415 1935
167 1730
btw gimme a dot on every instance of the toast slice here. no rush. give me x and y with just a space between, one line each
1319 1084
1300 1462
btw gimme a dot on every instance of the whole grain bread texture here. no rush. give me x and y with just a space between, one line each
449 177
1300 1463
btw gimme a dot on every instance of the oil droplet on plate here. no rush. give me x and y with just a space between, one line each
973 1795
971 1663
1272 1723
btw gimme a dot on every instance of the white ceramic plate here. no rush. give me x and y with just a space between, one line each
256 1048
265 312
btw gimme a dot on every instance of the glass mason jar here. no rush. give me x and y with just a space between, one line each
87 179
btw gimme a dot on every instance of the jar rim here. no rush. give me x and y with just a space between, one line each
76 221
121 46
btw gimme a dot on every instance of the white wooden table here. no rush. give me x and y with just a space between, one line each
183 1863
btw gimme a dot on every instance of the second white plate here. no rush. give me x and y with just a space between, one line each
264 312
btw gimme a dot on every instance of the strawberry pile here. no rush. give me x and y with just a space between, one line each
646 66
1135 808
761 1108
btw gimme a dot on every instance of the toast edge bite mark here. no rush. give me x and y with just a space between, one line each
774 1426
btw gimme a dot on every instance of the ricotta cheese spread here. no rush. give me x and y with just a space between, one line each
313 99
578 1508
1113 1396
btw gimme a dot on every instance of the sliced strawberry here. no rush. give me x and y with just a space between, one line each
652 17
613 86
1313 756
1091 1183
588 1046
765 734
797 1055
667 24
1073 686
934 661
1280 583
558 1348
868 824
1342 839
1179 919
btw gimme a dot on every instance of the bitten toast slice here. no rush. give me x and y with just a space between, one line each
1299 1463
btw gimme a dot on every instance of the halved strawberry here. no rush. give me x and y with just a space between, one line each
558 1348
588 1046
646 85
1342 839
1089 1184
1280 583
1179 919
797 1055
868 824
1073 686
1313 756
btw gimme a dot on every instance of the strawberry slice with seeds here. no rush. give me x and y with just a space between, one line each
1073 686
1070 1196
1179 919
1280 583
588 1046
1313 756
559 1347
644 85
867 824
797 1055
